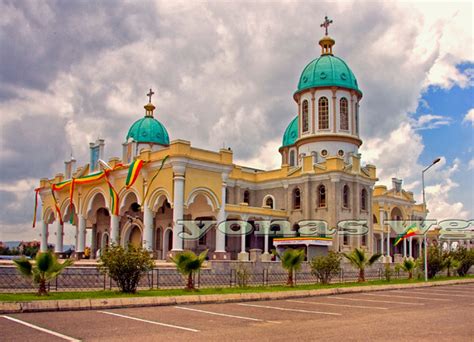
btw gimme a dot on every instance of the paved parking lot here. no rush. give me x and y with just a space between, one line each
444 313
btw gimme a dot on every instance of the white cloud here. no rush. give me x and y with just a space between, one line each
430 121
471 165
469 116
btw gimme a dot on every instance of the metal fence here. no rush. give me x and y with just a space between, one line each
91 279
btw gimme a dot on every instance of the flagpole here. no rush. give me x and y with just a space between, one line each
424 204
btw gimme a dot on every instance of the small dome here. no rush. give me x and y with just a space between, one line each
148 130
327 71
291 133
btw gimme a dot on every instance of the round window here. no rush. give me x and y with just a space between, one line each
340 153
343 76
322 75
324 153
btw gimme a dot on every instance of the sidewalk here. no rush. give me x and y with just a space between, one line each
111 303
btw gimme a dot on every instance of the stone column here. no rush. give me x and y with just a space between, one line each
178 206
82 234
59 237
243 255
410 249
404 248
94 242
382 226
44 236
114 229
221 216
420 249
148 228
266 231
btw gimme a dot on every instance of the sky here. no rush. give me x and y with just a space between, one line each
223 75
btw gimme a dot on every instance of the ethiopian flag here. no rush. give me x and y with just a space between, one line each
410 231
133 172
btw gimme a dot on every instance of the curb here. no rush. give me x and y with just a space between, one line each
115 303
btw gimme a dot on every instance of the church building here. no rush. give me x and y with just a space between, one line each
179 187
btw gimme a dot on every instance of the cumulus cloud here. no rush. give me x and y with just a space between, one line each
430 121
223 75
469 117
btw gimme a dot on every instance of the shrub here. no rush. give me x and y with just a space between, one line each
408 265
126 266
243 275
359 259
325 267
435 261
45 269
465 258
449 262
291 260
388 272
188 263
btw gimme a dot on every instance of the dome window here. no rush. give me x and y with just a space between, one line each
340 153
322 75
305 118
344 114
324 153
344 76
323 113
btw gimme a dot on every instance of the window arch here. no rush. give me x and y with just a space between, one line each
363 199
321 196
247 196
292 158
296 198
323 113
305 118
346 192
344 111
269 202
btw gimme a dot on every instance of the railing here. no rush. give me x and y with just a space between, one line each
91 279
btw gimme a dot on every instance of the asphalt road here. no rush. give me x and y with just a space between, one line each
441 313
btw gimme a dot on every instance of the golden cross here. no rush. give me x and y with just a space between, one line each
150 94
326 24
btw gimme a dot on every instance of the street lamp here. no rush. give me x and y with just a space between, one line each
424 204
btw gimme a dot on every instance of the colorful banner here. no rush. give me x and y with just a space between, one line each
153 178
56 205
114 197
133 172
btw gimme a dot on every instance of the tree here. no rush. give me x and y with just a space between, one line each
291 260
465 258
359 259
449 262
188 263
45 269
325 267
435 261
126 265
408 265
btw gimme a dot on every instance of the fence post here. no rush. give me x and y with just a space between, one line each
157 278
56 282
199 279
151 287
105 281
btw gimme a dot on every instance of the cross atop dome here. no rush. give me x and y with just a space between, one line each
326 24
149 107
326 42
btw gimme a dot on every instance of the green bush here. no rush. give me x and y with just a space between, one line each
435 261
126 266
449 262
188 263
465 257
242 274
325 267
388 272
409 266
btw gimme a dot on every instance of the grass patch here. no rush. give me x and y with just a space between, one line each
25 297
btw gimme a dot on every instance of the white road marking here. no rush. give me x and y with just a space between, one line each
224 315
435 293
147 321
407 297
453 291
375 301
344 305
288 309
54 333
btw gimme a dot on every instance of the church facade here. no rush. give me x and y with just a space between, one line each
189 198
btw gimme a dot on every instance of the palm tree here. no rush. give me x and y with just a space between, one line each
291 260
408 265
45 269
188 263
449 263
359 260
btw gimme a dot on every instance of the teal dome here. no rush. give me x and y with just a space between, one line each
148 130
291 132
327 71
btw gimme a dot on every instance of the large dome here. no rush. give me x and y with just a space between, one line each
148 130
327 71
291 132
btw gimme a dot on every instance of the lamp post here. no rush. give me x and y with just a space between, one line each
424 204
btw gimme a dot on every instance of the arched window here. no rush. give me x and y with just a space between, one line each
269 202
296 199
247 196
323 113
345 196
374 219
292 158
344 110
305 117
321 196
363 199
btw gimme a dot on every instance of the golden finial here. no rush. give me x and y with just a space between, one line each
149 107
326 42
